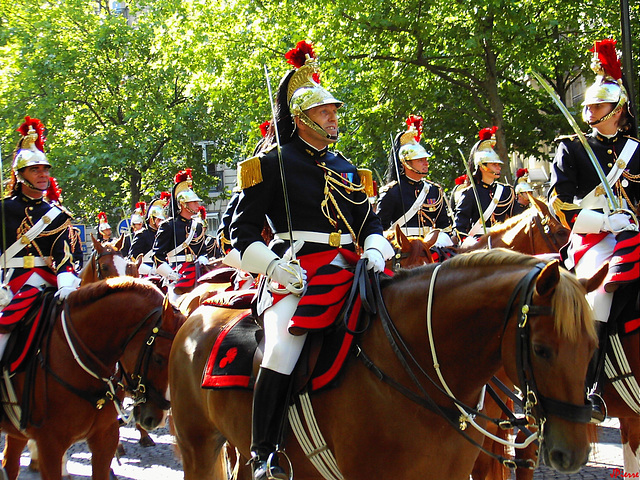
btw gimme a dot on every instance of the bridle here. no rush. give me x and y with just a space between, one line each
96 260
135 382
117 379
536 407
544 224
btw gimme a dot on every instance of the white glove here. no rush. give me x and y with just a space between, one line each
375 260
288 274
618 222
5 295
67 283
202 260
167 272
146 269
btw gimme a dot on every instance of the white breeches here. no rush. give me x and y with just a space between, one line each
589 264
281 349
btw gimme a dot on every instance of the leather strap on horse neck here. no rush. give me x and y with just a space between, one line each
535 402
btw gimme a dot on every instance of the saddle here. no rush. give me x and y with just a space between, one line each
28 317
237 351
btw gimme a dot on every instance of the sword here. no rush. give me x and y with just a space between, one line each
475 192
613 202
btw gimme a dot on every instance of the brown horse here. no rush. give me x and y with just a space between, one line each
107 261
560 341
77 385
535 231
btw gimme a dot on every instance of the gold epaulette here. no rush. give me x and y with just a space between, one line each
366 178
249 172
566 137
387 186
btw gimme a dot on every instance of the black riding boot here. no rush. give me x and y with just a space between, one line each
270 404
594 375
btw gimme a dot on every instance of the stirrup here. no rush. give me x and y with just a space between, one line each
270 466
598 408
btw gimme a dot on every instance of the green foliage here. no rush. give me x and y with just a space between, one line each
126 100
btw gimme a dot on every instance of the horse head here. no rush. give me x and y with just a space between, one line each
554 234
106 261
412 251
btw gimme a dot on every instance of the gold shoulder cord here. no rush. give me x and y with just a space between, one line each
334 182
630 178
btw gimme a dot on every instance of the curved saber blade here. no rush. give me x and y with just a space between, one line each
592 156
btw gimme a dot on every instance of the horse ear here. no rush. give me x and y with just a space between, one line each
119 243
96 244
167 309
401 238
590 284
548 278
431 238
138 261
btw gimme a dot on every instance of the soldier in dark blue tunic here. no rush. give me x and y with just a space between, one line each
142 243
179 244
330 215
577 198
414 203
496 199
36 252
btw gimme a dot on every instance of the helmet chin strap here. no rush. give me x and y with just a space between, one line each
21 179
409 167
607 116
186 207
316 128
488 170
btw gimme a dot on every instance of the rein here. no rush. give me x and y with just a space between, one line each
535 403
78 348
135 381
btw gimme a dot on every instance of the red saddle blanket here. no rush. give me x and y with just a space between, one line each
26 318
231 362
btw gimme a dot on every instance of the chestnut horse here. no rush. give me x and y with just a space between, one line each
107 261
473 329
77 385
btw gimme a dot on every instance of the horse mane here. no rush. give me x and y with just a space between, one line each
511 222
95 291
572 313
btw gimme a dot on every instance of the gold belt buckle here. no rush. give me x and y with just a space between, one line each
188 257
29 261
334 239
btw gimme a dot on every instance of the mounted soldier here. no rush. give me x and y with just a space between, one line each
595 190
496 199
409 200
179 245
36 250
142 243
137 225
522 189
320 214
104 229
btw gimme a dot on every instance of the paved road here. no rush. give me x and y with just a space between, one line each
160 463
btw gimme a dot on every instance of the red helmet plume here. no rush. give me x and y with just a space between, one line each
415 121
487 133
607 57
53 192
38 126
165 196
183 175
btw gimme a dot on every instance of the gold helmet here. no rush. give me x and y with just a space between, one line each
410 148
103 223
304 90
608 87
522 181
157 207
483 152
138 214
182 192
30 149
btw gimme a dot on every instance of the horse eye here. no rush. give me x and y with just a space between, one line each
542 351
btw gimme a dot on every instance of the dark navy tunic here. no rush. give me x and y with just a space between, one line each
311 209
166 240
467 213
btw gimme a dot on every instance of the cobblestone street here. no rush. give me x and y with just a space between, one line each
160 462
